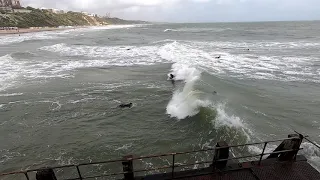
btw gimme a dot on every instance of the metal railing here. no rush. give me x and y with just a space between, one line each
172 166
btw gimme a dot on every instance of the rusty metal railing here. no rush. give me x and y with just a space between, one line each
128 170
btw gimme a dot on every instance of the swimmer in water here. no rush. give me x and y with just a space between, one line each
172 79
125 105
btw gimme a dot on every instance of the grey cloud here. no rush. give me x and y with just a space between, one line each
192 10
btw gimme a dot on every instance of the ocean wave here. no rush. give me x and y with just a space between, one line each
167 30
13 69
9 71
185 102
258 150
225 119
15 38
197 30
163 41
13 72
12 94
112 55
312 153
114 27
188 102
263 45
199 55
124 147
7 155
23 55
241 65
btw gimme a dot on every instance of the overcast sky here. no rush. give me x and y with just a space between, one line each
192 10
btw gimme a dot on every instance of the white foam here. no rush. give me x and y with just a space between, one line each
12 94
15 38
9 71
112 27
264 45
312 153
15 72
81 100
112 55
199 55
224 119
124 147
195 30
7 155
202 56
167 30
257 150
185 102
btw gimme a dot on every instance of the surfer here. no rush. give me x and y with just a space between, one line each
172 79
218 57
125 105
171 76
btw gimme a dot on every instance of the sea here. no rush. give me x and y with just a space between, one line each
60 92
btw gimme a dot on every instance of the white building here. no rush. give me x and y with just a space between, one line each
92 15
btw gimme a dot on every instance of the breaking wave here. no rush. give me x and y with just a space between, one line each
108 55
241 66
312 153
168 30
185 102
199 55
197 30
15 38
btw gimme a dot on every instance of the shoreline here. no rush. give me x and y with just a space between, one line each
29 30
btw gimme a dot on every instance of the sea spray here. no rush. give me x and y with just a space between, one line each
185 102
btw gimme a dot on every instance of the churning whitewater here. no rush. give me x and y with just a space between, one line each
60 91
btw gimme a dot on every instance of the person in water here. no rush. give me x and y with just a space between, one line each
218 57
172 79
125 105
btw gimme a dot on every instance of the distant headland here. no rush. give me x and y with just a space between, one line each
14 17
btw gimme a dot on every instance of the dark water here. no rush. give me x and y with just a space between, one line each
60 91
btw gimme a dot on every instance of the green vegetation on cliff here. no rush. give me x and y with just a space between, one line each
121 21
45 18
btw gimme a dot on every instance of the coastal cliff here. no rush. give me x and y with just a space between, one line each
45 18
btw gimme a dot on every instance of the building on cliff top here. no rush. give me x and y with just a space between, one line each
10 3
